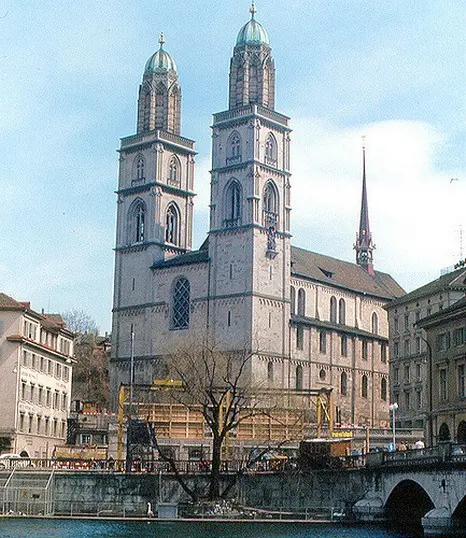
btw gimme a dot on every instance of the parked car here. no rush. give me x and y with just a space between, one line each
10 461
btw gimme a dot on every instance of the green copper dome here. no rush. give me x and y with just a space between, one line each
252 33
161 61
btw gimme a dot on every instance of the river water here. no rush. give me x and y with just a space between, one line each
47 528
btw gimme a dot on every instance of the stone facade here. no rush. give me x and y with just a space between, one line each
446 373
243 289
409 350
36 354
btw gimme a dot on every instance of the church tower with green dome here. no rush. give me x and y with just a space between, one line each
154 209
249 237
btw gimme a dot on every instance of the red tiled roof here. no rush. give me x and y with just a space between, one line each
8 303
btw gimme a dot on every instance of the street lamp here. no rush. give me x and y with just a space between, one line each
393 407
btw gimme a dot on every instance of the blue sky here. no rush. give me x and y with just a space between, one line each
391 70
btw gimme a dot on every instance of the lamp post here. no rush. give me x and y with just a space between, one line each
393 407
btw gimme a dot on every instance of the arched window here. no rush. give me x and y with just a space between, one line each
364 386
138 169
342 312
444 432
270 371
136 218
174 171
301 302
160 99
271 150
180 304
383 389
375 323
299 377
234 148
270 204
293 299
344 384
461 436
333 309
172 225
233 204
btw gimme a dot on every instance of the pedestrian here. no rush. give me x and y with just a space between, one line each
150 513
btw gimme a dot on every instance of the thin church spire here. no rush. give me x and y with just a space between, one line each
364 245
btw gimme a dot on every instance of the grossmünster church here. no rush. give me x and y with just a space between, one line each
311 321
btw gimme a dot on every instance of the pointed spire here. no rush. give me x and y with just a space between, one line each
364 245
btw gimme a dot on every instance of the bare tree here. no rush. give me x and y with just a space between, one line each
90 373
80 322
218 383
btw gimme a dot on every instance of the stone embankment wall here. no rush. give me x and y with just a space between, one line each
120 494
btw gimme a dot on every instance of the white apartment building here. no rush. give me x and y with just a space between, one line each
36 353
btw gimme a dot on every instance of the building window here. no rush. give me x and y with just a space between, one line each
341 312
396 375
270 371
139 169
323 342
32 393
407 373
66 373
396 350
344 345
46 425
396 324
301 302
443 341
270 203
418 399
49 397
39 424
418 345
375 323
383 389
462 381
40 395
333 309
406 348
443 384
364 386
174 171
181 304
365 350
407 322
299 377
271 150
344 384
172 225
299 337
136 222
23 390
30 422
25 358
459 336
21 422
383 352
418 372
55 424
322 374
233 204
234 148
407 400
293 299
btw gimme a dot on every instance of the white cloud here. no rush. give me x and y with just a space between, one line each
413 207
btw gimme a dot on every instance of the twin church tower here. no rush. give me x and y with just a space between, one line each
246 287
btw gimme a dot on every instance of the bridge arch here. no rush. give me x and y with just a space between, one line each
407 503
459 514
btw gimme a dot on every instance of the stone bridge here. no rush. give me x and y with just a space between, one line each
426 485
